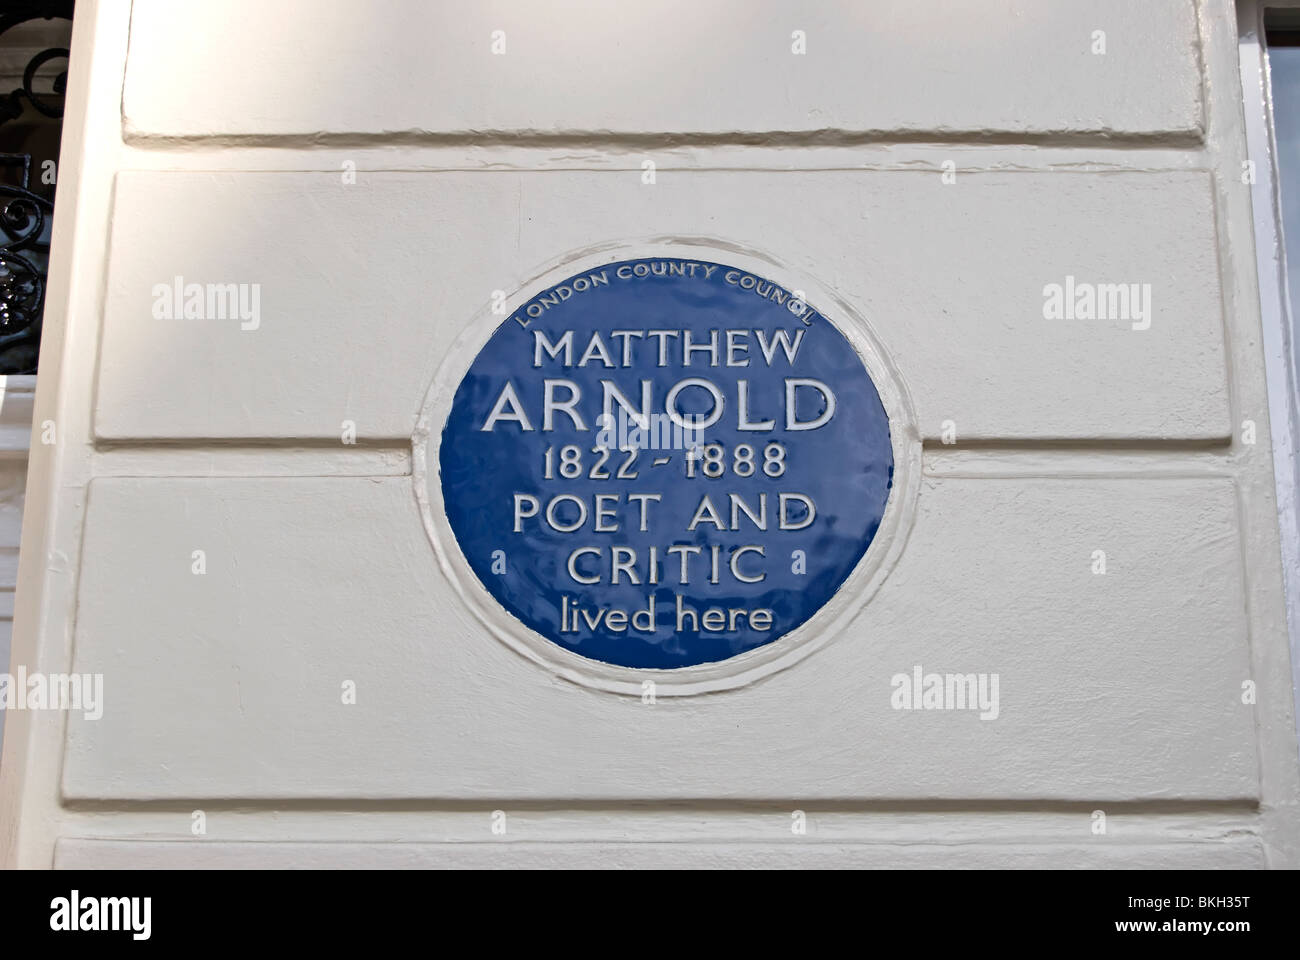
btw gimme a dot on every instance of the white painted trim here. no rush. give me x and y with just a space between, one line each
1277 321
93 853
28 766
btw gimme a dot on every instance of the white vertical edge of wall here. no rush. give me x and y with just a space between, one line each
1277 319
28 773
17 393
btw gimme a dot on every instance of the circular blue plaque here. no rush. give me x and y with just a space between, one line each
662 463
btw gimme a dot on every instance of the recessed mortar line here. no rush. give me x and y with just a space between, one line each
1098 139
1162 806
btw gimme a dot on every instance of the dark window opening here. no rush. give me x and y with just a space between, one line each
34 37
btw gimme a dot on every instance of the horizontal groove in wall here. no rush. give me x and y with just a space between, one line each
327 458
924 159
1084 461
611 141
1095 444
256 459
701 806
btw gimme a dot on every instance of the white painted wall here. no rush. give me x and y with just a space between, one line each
209 141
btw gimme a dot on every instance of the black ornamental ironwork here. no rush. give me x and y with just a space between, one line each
25 216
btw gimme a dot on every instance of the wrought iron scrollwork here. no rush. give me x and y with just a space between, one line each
12 107
25 216
24 259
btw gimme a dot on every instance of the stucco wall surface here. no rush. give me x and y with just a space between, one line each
383 172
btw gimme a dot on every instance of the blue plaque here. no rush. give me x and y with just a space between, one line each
661 463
